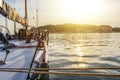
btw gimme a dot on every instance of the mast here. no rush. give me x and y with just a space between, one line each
26 16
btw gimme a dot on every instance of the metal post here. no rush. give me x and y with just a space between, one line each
6 23
7 52
14 27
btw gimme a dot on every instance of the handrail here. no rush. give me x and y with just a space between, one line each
111 68
63 73
36 50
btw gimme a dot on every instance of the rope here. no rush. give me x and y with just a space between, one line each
22 46
114 68
64 73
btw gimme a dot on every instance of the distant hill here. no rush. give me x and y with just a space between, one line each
116 29
79 28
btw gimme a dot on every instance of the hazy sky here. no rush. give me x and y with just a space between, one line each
70 11
80 11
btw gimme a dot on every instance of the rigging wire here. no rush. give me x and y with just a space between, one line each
22 6
14 3
31 13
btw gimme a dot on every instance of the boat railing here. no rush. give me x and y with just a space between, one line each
56 71
40 53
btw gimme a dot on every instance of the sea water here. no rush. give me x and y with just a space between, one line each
84 50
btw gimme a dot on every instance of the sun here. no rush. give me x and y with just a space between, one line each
84 9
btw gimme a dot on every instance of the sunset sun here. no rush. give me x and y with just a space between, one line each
84 9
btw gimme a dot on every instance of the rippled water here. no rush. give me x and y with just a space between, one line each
84 50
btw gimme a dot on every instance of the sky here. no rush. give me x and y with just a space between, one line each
96 12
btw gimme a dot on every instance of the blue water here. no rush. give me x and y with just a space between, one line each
83 50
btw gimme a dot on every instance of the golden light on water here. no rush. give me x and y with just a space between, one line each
78 50
79 58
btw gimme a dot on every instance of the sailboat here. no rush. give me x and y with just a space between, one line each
22 51
23 58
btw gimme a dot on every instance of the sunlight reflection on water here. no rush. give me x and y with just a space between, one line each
80 53
84 50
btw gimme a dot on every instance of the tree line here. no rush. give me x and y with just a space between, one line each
79 28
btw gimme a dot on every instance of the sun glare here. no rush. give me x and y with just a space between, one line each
84 9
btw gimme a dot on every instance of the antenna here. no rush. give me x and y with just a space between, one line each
36 17
36 13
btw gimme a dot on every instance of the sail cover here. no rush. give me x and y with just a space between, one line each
0 3
11 14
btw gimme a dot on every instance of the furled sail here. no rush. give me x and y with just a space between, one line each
11 14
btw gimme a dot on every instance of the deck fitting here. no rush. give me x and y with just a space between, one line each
2 62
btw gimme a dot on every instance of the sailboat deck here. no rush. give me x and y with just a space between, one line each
17 58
